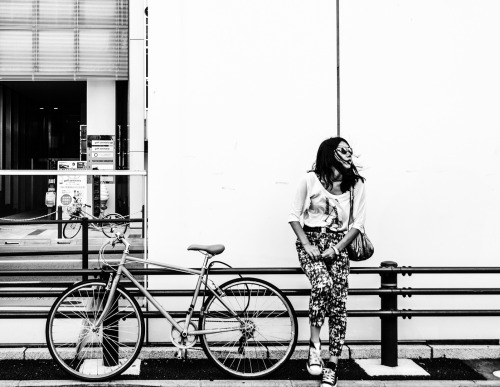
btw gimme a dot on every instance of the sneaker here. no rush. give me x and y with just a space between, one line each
314 361
329 375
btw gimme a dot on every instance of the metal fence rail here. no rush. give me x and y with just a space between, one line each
388 293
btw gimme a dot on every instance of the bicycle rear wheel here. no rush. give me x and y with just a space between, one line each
86 351
109 229
70 230
260 339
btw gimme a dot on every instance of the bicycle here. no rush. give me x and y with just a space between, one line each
246 326
70 230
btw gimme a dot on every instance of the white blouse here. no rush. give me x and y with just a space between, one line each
319 208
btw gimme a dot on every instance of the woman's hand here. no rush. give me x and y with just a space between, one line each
312 251
329 254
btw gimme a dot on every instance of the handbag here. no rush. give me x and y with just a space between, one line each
361 248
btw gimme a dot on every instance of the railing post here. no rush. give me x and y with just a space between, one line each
389 324
85 246
59 225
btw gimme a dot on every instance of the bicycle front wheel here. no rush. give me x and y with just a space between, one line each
70 230
109 229
255 340
85 350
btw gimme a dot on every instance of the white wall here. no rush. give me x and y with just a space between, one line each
419 100
242 93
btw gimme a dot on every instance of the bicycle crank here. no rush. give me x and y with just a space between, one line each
183 342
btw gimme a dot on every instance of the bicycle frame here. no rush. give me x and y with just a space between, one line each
113 284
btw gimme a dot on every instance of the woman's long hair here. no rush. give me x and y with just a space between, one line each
325 160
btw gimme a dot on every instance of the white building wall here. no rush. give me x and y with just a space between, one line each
419 100
242 93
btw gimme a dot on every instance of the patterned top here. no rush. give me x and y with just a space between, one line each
319 208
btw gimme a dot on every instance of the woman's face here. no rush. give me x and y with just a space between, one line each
343 154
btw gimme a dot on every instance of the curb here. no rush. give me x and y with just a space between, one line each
350 351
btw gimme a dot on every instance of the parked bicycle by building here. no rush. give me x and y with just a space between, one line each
71 229
95 329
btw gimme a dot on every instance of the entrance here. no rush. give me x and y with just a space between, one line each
39 125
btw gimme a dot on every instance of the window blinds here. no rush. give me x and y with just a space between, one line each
63 39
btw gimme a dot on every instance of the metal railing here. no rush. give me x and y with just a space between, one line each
388 293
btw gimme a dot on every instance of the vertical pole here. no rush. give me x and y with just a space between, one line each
85 245
337 23
59 225
389 324
143 221
110 335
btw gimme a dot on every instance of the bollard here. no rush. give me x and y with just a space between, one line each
85 246
59 225
389 324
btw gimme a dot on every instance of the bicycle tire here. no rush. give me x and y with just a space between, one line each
111 228
94 353
263 343
71 230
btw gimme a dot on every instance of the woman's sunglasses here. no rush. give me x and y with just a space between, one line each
345 150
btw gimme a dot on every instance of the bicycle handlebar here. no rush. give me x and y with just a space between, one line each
118 239
121 239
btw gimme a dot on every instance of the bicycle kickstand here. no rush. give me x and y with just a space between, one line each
181 354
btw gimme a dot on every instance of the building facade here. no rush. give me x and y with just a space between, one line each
70 70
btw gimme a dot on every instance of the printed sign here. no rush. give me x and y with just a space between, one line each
71 190
101 154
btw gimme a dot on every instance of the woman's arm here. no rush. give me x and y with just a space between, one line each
344 242
358 221
310 249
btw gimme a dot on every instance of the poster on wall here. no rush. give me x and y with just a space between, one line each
71 190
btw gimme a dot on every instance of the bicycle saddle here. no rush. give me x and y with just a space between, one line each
210 249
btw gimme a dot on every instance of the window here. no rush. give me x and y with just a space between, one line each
63 39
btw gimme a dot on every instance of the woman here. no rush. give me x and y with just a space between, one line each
322 201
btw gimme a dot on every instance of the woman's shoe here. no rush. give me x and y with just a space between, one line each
329 378
314 361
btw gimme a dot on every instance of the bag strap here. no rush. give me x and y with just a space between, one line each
351 204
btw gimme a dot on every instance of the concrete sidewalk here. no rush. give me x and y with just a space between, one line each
350 351
15 234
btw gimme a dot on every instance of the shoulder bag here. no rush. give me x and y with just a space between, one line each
360 248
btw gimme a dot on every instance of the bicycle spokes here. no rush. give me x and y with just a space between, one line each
267 328
85 349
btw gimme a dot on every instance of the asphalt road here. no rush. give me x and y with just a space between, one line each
172 369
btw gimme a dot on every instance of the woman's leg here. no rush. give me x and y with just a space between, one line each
338 314
319 303
321 293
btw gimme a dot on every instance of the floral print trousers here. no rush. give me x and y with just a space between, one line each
329 283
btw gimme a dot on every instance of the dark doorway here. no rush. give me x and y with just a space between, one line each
40 124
